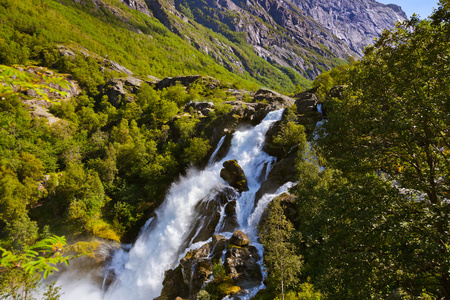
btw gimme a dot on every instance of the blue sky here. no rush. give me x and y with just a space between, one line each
424 8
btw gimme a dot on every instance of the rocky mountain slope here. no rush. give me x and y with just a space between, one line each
356 23
306 36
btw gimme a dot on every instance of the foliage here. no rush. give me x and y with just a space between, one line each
203 295
336 76
20 271
221 286
280 256
14 80
374 222
292 136
129 37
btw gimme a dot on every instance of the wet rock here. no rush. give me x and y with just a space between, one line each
230 208
173 285
196 268
241 264
219 244
239 239
208 214
230 222
234 175
282 172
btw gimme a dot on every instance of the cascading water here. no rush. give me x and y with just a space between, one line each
139 275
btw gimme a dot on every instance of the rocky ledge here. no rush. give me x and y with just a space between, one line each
202 268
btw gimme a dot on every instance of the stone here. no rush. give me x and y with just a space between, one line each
282 172
208 213
306 102
230 222
187 81
234 175
115 91
241 264
239 239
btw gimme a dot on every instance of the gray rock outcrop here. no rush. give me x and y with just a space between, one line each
306 36
355 22
241 267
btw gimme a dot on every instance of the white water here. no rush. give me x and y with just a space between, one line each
141 272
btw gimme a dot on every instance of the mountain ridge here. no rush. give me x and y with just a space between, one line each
308 37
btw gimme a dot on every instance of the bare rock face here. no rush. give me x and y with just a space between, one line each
304 35
354 22
137 5
234 175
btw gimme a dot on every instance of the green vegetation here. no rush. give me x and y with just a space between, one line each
20 271
374 221
279 256
98 170
132 39
221 286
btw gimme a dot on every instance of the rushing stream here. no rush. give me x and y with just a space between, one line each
166 238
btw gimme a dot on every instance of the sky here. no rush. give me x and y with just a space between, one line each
423 8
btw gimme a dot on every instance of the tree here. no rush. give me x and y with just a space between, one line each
279 256
395 118
197 150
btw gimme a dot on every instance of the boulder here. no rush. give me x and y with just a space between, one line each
194 270
234 175
115 91
173 285
186 81
275 100
241 264
305 102
230 223
239 239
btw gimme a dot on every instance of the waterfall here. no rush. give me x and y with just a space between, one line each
164 239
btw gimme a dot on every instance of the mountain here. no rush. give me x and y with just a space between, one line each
306 36
357 23
275 44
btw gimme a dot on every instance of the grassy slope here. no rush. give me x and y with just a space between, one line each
140 43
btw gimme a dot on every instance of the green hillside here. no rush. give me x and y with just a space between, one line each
31 30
